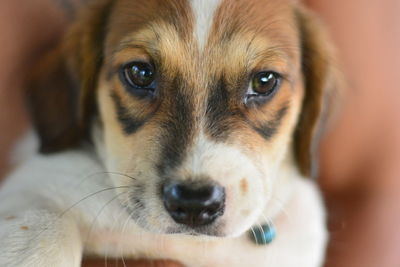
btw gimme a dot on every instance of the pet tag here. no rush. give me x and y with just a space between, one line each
263 235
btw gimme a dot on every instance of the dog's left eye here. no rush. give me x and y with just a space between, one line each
139 77
263 85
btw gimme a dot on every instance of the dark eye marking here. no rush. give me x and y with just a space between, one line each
268 130
178 128
130 123
217 111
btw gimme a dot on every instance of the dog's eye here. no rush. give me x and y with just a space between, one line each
140 77
263 85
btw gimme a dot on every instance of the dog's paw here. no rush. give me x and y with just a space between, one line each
38 238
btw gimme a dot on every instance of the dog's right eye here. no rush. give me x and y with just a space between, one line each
139 77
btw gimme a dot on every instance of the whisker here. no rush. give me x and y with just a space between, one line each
123 260
121 212
121 174
270 224
99 212
103 172
90 195
123 232
254 234
282 209
262 231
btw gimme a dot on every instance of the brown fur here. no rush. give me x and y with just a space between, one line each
321 81
62 87
63 90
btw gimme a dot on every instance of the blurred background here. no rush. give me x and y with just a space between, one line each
360 156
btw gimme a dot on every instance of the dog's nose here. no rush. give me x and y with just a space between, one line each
194 206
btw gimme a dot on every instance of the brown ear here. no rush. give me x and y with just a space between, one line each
62 87
320 83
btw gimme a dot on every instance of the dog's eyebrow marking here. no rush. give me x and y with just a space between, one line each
204 11
268 129
135 43
130 124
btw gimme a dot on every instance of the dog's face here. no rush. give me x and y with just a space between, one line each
203 94
198 103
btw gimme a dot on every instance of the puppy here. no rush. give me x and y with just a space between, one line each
174 130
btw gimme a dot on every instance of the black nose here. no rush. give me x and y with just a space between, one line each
194 206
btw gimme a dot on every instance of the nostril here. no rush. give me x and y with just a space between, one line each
194 206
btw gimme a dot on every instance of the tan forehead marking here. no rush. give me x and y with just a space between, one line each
207 23
132 16
252 20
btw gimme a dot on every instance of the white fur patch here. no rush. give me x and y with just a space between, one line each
227 165
204 14
25 148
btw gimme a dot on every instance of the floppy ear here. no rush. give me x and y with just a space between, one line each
321 80
61 88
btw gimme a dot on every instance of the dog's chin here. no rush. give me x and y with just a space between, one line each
162 227
214 230
162 224
211 231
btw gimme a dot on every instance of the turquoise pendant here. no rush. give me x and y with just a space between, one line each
263 235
